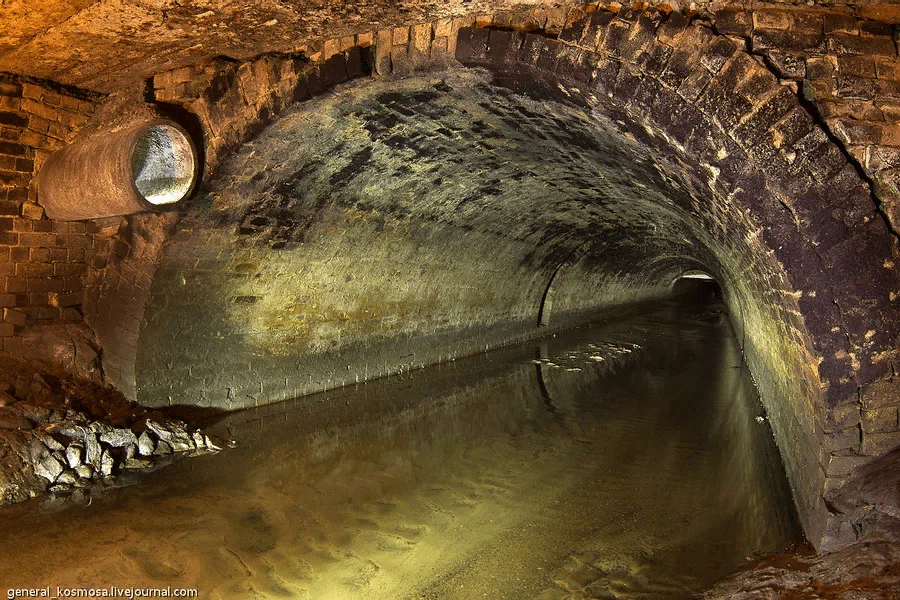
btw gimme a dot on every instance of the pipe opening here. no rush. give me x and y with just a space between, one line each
163 164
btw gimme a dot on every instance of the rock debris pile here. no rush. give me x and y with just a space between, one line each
71 437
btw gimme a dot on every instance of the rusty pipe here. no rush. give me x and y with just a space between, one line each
141 167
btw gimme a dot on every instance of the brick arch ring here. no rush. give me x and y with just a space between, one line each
782 217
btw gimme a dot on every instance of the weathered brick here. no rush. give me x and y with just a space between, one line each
32 211
503 46
66 300
15 317
383 44
835 23
756 126
851 44
887 90
33 269
730 21
12 178
38 254
855 88
887 68
616 38
44 226
772 19
715 56
69 103
400 36
471 44
880 394
69 269
848 439
880 420
24 165
675 27
7 329
12 149
71 241
856 66
71 120
790 66
442 27
876 444
10 104
10 89
13 119
787 41
38 239
39 109
875 29
595 32
806 21
15 285
71 314
20 254
12 134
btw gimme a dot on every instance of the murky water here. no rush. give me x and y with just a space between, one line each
623 461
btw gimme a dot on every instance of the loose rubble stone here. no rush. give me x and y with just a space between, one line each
118 438
51 443
173 433
49 468
67 477
106 464
74 454
70 430
145 445
93 451
54 444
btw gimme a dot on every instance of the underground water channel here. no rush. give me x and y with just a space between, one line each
631 459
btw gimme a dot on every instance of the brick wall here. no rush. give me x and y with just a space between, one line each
847 66
42 262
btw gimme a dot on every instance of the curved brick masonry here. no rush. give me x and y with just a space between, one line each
763 166
732 157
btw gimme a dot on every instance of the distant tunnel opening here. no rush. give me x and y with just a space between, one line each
698 286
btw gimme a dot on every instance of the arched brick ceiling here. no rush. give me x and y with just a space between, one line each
102 45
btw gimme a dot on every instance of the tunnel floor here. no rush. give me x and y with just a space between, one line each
627 460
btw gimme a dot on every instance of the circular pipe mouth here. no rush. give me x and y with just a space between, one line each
163 164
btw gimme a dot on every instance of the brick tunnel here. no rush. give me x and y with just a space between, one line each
382 199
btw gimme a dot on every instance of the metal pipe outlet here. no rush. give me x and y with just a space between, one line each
138 168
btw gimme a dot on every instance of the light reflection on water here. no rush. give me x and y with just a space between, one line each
642 475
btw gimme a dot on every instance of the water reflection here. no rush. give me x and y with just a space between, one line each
595 471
